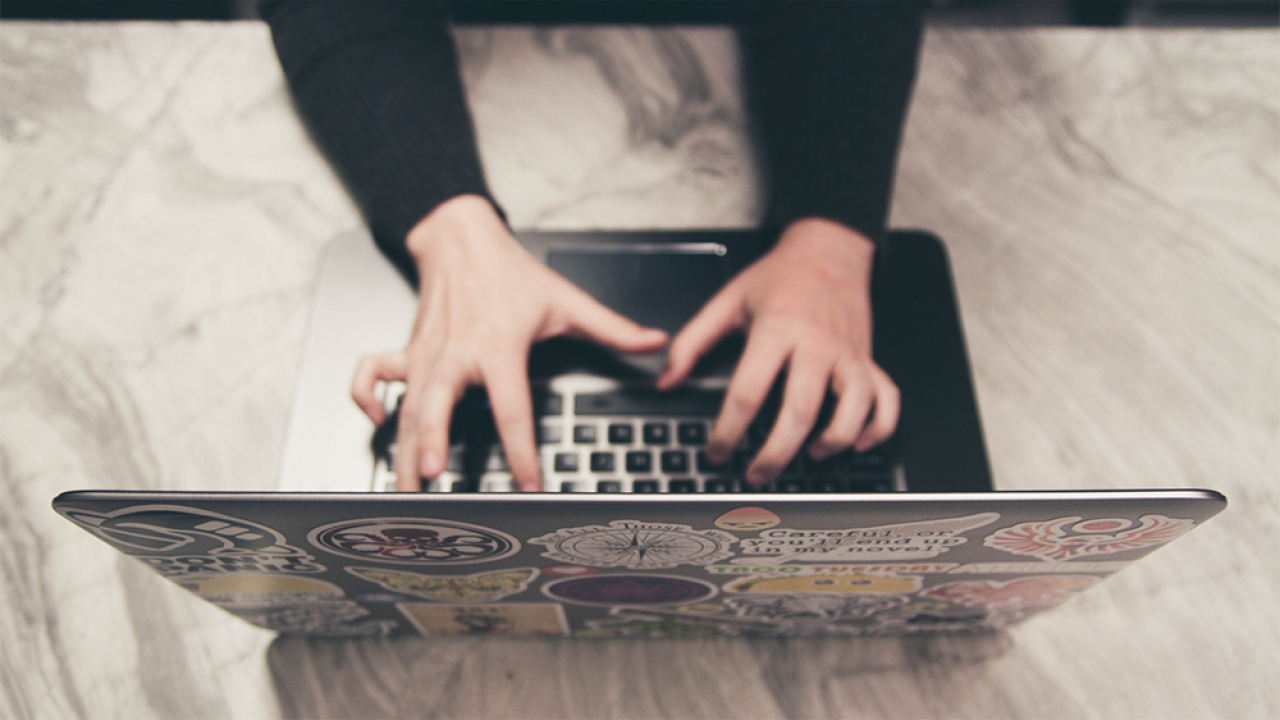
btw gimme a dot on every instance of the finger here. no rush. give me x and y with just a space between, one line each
856 392
423 440
590 320
807 380
720 315
752 379
508 386
371 370
884 417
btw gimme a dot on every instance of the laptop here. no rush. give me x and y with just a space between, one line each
908 538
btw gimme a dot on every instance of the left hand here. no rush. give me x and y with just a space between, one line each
806 306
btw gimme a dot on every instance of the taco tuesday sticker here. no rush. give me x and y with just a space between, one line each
636 545
481 587
901 541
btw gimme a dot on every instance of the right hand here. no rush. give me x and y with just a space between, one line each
483 301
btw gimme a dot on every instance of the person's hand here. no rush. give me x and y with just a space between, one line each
806 306
483 301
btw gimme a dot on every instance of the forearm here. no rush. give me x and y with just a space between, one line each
830 83
377 84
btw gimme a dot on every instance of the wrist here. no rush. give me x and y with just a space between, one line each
462 218
831 244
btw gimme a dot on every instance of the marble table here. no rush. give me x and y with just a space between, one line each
1111 200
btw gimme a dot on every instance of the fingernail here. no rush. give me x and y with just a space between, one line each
756 478
819 453
430 465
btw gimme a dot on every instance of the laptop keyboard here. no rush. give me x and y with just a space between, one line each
603 436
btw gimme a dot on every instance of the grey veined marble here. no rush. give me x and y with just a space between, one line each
1111 200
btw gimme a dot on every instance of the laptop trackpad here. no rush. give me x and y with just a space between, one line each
654 285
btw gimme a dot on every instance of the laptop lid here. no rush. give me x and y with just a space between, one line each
554 565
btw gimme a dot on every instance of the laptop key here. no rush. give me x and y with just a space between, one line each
718 485
648 402
550 434
497 482
682 485
497 461
691 433
644 486
602 462
827 485
872 460
608 486
584 434
675 462
567 462
455 460
657 434
549 404
790 485
639 462
570 486
620 433
704 464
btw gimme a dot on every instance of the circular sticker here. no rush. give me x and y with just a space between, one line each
414 541
629 590
637 545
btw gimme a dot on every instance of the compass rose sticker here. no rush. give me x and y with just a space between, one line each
636 545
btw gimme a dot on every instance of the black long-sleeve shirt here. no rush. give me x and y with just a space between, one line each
378 85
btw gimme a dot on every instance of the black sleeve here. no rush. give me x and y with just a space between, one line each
378 86
828 85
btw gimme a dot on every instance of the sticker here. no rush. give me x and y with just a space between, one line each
636 545
381 598
878 569
1041 568
481 587
1013 594
288 604
857 583
747 519
415 541
332 618
180 541
648 624
902 541
528 619
569 570
228 591
935 616
630 590
1067 538
813 607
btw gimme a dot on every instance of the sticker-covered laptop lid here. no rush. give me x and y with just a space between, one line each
630 566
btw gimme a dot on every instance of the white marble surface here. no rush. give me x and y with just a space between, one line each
1112 204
